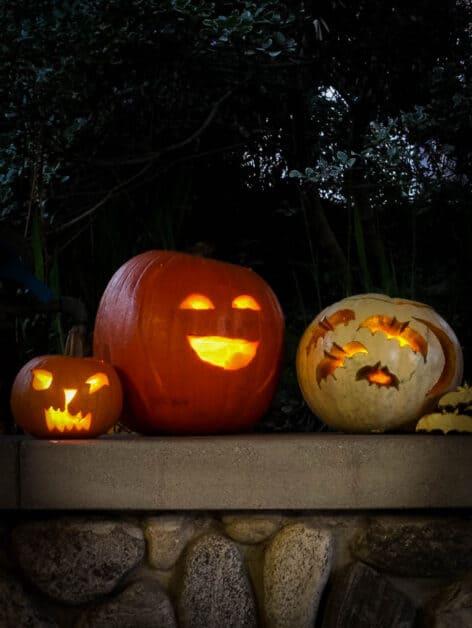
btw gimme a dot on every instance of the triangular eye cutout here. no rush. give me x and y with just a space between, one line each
196 302
97 381
245 302
42 379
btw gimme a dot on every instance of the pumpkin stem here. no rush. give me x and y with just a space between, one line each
77 345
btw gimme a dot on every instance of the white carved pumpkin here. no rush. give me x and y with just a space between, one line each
370 363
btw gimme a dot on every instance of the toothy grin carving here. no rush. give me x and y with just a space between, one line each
62 420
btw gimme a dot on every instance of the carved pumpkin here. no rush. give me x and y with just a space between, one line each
55 396
370 363
197 342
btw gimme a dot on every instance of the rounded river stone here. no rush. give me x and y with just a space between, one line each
215 588
297 565
17 608
418 547
143 604
74 560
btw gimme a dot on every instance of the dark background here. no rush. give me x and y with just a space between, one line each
325 144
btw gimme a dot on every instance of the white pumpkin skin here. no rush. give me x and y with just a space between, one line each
341 396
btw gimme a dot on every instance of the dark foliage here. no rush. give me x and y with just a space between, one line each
326 144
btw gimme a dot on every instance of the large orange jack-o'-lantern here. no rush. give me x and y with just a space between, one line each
370 363
56 396
197 342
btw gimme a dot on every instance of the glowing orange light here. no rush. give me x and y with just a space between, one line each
380 378
69 394
63 420
42 379
401 332
97 381
245 302
196 302
352 348
325 325
379 375
335 358
229 354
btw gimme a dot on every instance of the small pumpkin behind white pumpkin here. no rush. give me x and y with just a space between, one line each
370 363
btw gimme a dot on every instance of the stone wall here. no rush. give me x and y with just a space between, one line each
224 570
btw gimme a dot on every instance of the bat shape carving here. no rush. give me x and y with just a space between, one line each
327 324
381 376
401 332
335 359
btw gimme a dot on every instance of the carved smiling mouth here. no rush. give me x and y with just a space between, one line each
62 420
229 354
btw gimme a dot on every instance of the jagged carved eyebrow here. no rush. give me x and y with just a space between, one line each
97 381
42 379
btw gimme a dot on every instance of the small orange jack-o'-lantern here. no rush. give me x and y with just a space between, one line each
370 363
56 396
197 342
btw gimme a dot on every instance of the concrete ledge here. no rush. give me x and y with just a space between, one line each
300 472
9 480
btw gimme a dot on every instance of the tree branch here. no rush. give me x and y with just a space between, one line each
118 188
104 200
172 147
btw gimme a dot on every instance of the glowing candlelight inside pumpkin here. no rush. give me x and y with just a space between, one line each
229 354
396 330
336 357
379 375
